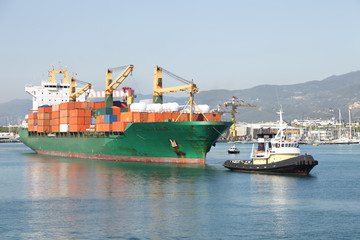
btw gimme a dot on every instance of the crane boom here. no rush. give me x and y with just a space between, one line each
75 94
159 90
111 85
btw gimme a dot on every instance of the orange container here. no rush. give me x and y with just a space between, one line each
43 128
67 106
87 120
213 117
44 115
116 110
45 110
139 117
166 115
100 119
99 105
32 121
103 127
77 105
32 116
55 115
77 120
42 122
31 128
155 117
87 113
77 113
55 121
126 116
91 105
78 127
64 113
119 126
64 120
55 128
185 117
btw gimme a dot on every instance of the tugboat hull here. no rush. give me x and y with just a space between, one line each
300 165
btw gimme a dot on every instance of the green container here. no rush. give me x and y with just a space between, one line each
104 111
124 110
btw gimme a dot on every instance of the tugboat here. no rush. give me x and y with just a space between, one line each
274 155
233 150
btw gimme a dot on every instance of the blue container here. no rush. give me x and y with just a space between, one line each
93 120
110 118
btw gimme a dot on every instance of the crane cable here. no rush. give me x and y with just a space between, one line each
170 74
118 68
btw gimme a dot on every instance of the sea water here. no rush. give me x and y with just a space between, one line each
43 197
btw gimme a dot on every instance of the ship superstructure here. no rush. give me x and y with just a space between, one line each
52 92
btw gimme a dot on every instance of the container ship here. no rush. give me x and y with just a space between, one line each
120 130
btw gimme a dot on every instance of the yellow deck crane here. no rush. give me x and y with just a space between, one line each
234 103
60 71
111 85
190 88
75 94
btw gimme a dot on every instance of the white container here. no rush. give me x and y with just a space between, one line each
138 107
64 127
204 109
155 107
170 107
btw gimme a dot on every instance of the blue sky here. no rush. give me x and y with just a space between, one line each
220 44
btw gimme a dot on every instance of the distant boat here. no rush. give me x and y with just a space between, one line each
8 138
233 150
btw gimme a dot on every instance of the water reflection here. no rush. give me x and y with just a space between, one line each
159 199
275 194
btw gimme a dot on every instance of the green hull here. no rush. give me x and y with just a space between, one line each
175 142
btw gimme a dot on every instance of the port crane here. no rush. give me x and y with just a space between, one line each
158 92
234 103
111 85
75 94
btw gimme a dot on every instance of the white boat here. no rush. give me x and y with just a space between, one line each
8 138
273 153
233 149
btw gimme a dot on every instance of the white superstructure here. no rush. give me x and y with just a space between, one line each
51 92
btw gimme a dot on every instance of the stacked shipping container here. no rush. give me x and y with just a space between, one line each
77 117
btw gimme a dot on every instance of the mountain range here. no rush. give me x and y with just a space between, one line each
312 99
